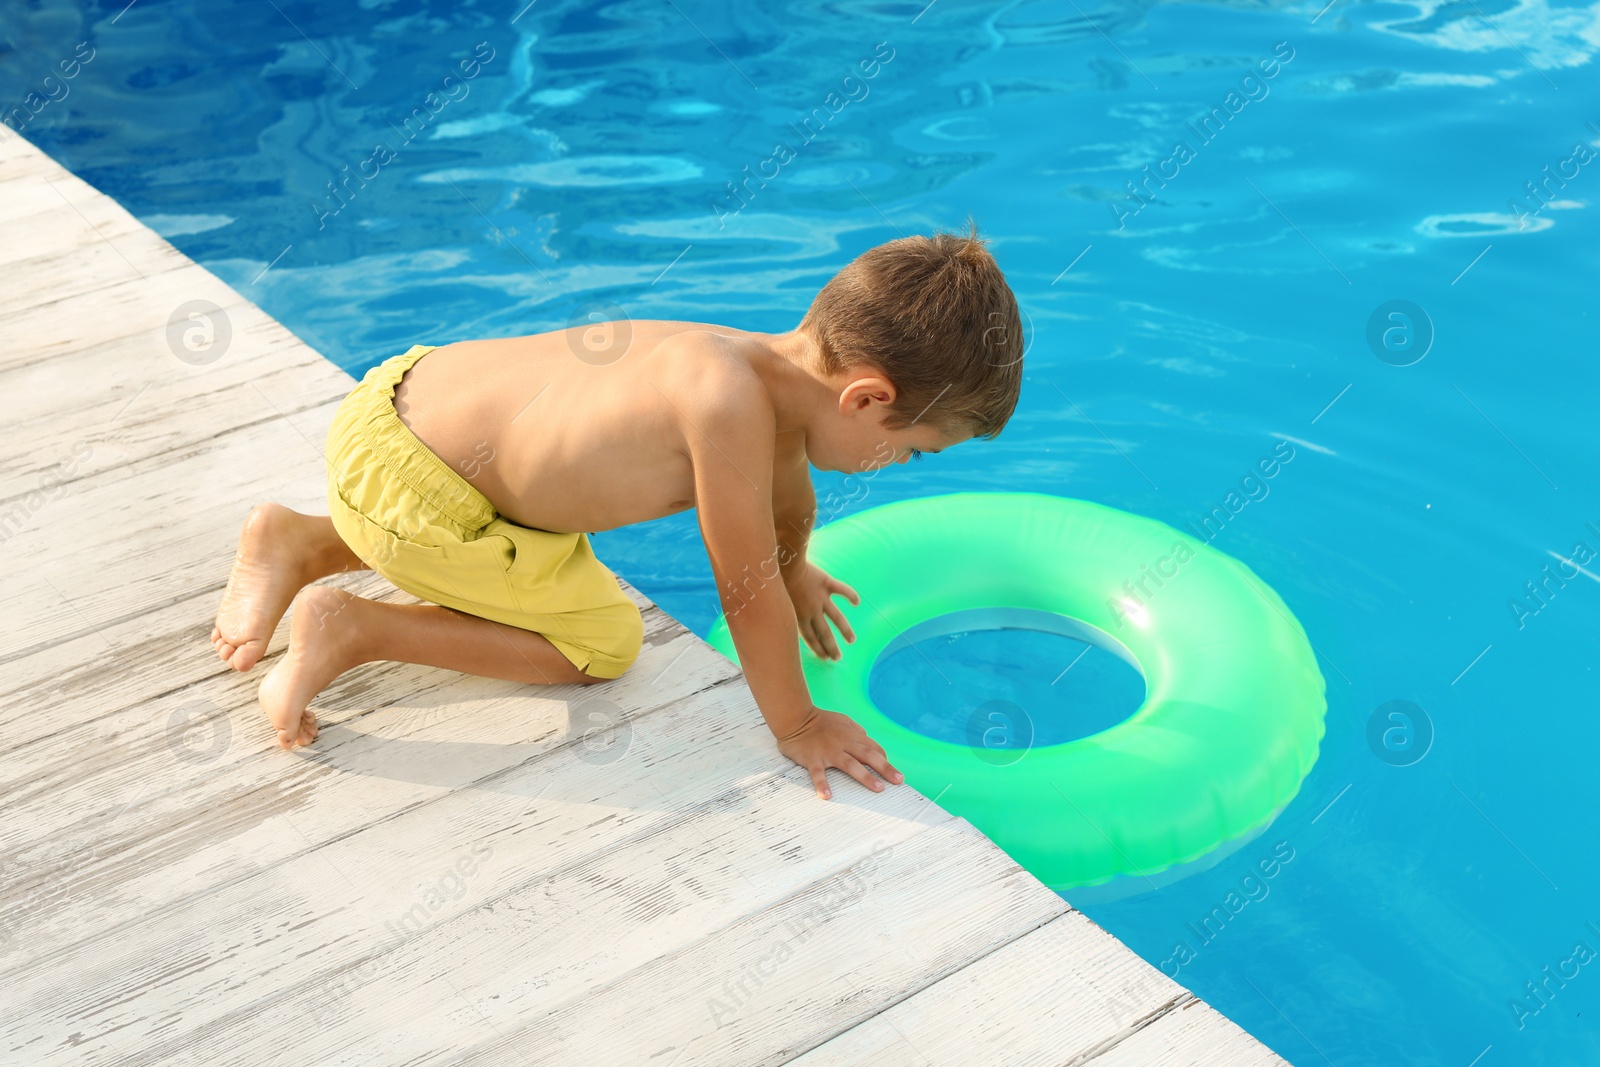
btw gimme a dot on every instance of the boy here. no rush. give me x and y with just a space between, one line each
468 478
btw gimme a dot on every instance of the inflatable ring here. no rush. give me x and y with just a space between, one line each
1234 701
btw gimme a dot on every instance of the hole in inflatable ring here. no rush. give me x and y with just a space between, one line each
1003 680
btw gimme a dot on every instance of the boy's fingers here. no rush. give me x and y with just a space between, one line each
819 778
880 763
840 587
839 620
819 638
826 636
808 635
858 770
819 642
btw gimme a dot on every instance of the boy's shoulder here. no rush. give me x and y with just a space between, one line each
710 371
713 391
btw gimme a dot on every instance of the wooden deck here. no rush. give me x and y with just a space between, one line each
459 870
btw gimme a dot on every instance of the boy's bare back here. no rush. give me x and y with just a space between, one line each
576 430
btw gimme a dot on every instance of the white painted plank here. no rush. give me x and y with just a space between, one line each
121 309
45 187
559 936
86 267
143 820
64 238
299 921
84 412
197 495
927 909
98 713
1063 992
76 773
1195 1035
84 677
19 158
68 685
35 216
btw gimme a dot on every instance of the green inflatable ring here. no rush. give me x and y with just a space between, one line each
1234 701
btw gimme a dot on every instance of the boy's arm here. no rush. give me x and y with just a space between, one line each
730 430
794 514
794 503
730 438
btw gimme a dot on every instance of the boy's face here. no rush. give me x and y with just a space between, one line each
854 438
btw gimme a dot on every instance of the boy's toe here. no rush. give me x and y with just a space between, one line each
244 656
302 734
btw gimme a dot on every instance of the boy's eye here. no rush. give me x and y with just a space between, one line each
916 453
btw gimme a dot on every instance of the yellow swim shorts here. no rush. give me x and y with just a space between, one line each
426 529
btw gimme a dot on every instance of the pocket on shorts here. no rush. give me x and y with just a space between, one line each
533 558
552 573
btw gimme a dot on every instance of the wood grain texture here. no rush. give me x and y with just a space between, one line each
139 849
1194 1035
776 981
1099 992
178 516
103 407
459 870
127 305
540 924
36 215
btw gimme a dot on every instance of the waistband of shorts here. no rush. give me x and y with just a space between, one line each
405 454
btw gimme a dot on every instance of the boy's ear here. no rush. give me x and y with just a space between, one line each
860 393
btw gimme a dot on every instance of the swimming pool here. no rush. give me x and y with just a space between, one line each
1431 884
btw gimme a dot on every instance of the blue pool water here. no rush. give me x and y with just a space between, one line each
1008 689
1438 864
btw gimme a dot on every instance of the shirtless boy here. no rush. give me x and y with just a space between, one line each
469 478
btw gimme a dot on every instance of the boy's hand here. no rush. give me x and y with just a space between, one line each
828 739
812 590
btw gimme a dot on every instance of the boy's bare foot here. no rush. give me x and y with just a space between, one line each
321 647
279 552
